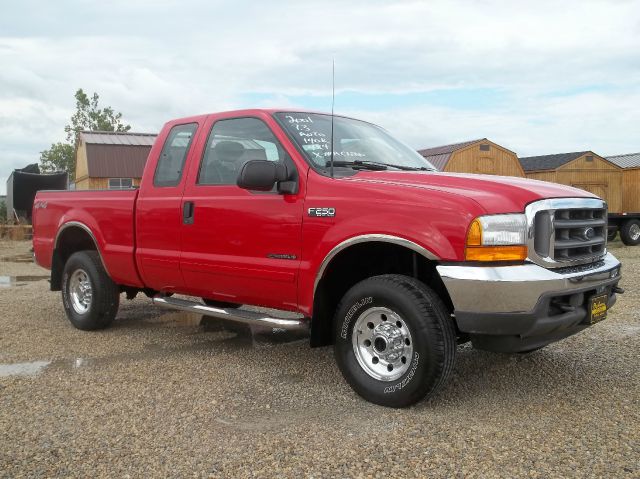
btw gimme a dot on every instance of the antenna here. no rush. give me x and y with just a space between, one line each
333 101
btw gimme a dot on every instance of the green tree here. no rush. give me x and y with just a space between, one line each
89 116
60 157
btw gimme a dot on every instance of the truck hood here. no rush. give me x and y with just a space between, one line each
496 194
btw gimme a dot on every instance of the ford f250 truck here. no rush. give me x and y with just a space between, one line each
332 218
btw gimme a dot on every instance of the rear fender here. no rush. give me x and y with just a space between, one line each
71 237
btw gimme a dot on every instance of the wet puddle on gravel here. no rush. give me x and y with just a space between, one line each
23 369
228 335
14 281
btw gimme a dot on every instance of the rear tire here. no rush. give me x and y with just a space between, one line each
612 234
89 296
395 342
630 232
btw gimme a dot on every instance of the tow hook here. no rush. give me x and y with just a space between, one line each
618 290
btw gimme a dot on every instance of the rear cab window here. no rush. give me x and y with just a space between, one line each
173 155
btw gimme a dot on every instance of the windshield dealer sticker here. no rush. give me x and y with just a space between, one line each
322 212
316 142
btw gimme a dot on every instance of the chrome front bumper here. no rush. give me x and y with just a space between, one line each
514 289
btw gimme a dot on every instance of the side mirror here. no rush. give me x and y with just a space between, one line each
261 175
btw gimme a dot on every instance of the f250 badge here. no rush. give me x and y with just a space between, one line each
323 212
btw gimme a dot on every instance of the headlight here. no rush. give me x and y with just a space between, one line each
497 238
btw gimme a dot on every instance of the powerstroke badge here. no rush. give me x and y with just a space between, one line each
322 212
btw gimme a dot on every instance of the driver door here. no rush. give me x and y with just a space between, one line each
240 246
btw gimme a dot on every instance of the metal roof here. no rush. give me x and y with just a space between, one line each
116 161
439 150
439 161
117 138
438 156
629 160
549 162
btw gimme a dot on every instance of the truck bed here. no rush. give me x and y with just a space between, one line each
108 214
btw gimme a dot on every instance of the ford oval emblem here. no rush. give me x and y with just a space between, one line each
588 233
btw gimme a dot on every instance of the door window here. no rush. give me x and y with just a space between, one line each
234 142
173 155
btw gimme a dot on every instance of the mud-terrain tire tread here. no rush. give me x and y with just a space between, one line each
435 324
106 293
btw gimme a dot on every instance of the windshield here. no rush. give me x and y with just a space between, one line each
355 143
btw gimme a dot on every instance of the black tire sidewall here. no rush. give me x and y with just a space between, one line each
92 319
404 390
625 235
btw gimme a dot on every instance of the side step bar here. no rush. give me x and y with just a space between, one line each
238 315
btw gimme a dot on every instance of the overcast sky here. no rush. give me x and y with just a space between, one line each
536 77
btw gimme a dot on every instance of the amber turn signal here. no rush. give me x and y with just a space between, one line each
474 235
496 253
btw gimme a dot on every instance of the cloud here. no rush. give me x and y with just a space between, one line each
537 77
589 121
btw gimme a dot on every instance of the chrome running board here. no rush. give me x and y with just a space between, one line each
238 315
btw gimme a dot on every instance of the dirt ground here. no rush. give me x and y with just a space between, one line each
168 395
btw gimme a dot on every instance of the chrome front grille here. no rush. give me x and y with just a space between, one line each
567 231
579 233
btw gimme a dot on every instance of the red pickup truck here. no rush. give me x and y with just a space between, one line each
332 218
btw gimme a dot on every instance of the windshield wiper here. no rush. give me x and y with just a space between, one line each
410 168
376 165
360 165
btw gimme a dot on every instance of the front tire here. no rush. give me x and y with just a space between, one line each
89 296
395 342
630 232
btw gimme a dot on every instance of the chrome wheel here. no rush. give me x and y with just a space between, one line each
80 291
382 343
634 232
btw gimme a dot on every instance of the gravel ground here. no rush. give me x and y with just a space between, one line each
164 395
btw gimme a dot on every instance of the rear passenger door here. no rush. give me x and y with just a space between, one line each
158 213
237 245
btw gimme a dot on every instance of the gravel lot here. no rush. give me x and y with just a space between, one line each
163 395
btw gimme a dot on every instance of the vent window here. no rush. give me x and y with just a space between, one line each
484 147
589 157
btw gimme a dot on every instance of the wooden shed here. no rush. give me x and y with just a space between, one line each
582 169
111 160
630 164
475 156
